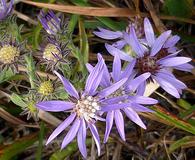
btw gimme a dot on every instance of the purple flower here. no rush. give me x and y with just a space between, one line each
5 9
112 35
84 108
156 56
128 98
50 22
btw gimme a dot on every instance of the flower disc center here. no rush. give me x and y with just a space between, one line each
86 108
46 88
8 54
51 53
147 64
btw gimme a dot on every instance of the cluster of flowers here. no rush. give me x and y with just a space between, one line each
109 95
112 94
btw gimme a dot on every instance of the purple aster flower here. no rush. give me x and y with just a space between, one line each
156 56
5 9
112 35
51 23
126 99
84 108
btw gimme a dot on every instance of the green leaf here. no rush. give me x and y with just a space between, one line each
41 137
179 8
36 38
17 147
84 45
16 99
173 119
72 24
180 143
68 151
6 75
30 65
62 154
184 104
112 24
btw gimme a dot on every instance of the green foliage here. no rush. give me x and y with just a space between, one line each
179 8
30 65
18 100
181 142
41 138
17 147
174 120
6 75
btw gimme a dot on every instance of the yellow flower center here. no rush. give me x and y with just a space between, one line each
31 106
50 51
8 54
46 88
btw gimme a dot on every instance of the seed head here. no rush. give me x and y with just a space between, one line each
51 52
8 54
46 88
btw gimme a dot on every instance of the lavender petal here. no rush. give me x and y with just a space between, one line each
81 138
174 61
61 127
68 86
149 32
134 43
55 106
119 121
159 42
112 50
132 115
109 123
171 42
167 87
96 137
107 34
109 90
71 133
116 68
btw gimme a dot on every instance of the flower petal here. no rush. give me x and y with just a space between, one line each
109 90
114 99
94 78
107 34
134 43
116 68
167 86
128 70
134 117
81 138
71 133
139 108
119 121
68 86
141 89
149 32
174 61
112 107
134 84
159 42
112 50
171 42
119 44
96 137
185 67
172 80
55 106
61 127
109 123
142 100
